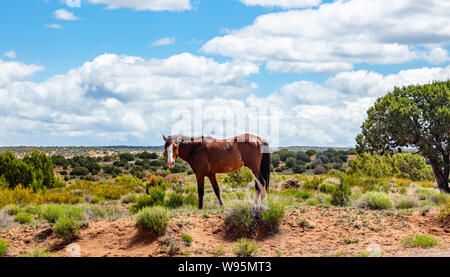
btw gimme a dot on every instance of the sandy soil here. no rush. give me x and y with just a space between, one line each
331 226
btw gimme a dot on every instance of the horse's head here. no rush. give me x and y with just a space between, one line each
170 151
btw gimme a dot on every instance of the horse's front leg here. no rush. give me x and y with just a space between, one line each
200 189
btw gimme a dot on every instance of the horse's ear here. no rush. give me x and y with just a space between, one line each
164 137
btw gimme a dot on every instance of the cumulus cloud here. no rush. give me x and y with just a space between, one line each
11 71
149 5
164 41
63 14
337 35
282 3
130 100
112 99
11 54
437 55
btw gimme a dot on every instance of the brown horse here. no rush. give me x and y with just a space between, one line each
208 156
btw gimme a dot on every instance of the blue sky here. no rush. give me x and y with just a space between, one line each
90 72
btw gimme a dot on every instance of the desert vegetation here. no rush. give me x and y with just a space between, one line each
377 199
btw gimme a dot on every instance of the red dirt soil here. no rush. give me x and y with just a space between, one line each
120 237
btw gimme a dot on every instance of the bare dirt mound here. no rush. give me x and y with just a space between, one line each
342 232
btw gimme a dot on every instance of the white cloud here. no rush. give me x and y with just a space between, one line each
53 26
112 98
437 55
11 54
73 3
149 5
282 3
11 71
337 35
164 41
63 14
129 100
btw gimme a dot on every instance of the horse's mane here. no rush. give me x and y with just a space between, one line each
183 138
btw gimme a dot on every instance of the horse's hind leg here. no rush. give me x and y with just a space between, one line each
260 188
201 190
216 188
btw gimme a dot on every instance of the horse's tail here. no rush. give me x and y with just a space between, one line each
264 168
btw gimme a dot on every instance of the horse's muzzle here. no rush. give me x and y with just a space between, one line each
170 164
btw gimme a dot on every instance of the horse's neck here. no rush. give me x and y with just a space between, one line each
185 149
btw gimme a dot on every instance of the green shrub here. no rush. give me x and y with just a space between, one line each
245 248
191 199
96 212
66 226
304 223
375 200
407 203
154 219
52 212
239 178
273 215
154 197
327 187
174 200
3 246
38 252
423 241
401 165
240 219
23 218
129 198
187 239
311 202
312 183
12 209
157 195
296 193
341 195
95 200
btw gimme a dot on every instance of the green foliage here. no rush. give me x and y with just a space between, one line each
66 226
154 219
341 195
154 197
375 200
304 223
244 248
239 178
191 199
187 239
3 247
413 116
52 212
38 252
423 241
327 187
241 219
300 194
407 203
400 165
23 218
12 209
79 171
35 170
174 200
273 215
